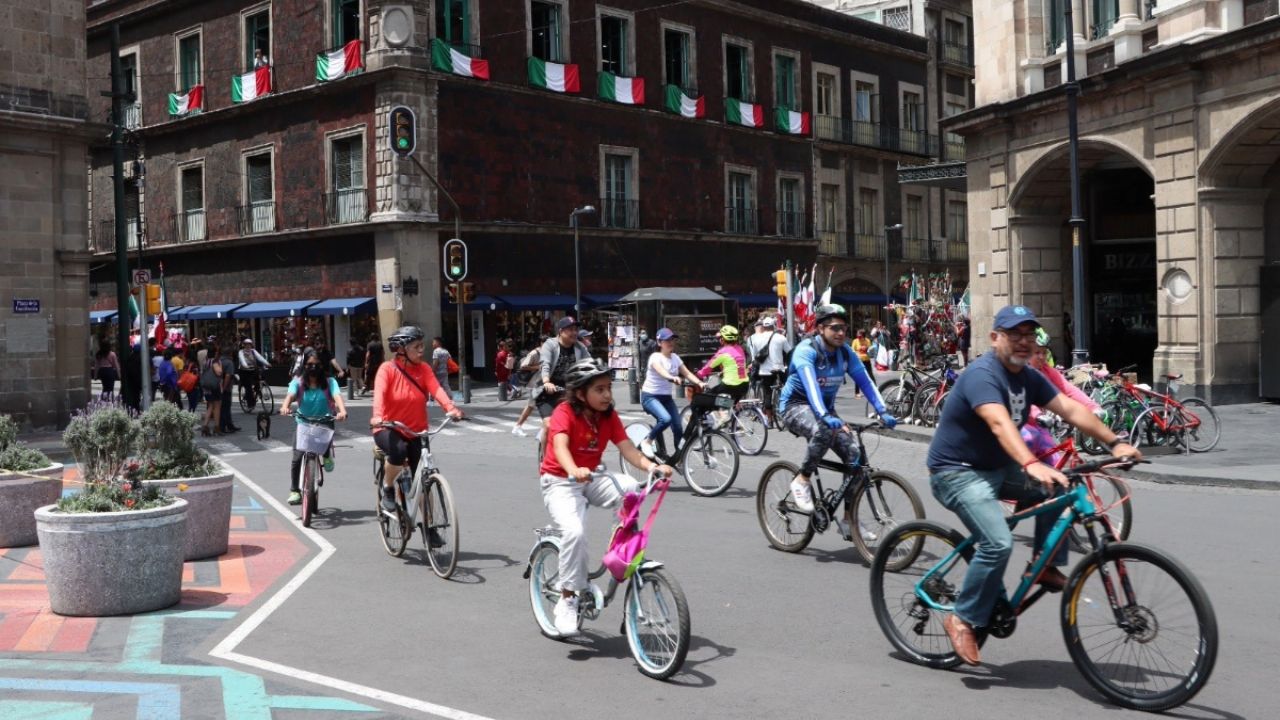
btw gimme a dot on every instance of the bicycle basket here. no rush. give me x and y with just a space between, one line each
313 438
707 401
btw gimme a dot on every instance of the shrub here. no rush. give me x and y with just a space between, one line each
171 450
22 458
103 437
8 432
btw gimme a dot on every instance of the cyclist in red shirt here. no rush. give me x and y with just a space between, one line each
580 430
400 394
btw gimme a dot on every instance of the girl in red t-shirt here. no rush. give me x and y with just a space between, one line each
580 430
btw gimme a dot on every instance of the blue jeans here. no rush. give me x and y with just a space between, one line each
664 412
974 495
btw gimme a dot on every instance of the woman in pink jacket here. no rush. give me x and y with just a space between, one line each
1037 437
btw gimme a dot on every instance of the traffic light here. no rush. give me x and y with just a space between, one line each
403 126
452 290
455 260
468 292
153 299
780 278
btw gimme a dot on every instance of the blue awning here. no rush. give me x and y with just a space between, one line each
212 312
756 300
344 306
481 302
100 316
602 299
287 308
539 302
181 313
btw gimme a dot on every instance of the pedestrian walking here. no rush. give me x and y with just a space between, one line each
440 360
106 367
225 424
355 369
373 356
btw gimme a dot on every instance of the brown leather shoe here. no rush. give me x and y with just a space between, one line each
962 639
1053 580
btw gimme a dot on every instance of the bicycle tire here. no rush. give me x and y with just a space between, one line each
656 622
393 527
921 400
1087 615
931 411
244 404
750 430
710 463
636 431
310 465
544 587
784 526
911 626
1206 435
1107 490
438 513
266 401
898 395
886 496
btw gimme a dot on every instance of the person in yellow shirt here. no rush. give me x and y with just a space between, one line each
862 347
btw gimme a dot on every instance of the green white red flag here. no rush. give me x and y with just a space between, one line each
446 59
625 90
681 104
792 122
737 112
339 63
187 102
251 85
553 76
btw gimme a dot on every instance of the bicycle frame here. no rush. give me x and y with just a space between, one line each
696 418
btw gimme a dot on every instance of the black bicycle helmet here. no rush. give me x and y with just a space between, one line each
826 312
583 372
404 336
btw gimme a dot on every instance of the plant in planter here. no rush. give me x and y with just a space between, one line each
28 480
116 547
172 460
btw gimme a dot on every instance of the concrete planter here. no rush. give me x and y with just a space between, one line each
208 512
20 495
114 563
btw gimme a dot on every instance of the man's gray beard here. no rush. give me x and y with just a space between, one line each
1018 362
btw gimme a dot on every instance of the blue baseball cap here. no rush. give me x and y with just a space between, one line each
1011 316
665 334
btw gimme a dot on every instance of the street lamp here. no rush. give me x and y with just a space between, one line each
1079 353
887 300
577 273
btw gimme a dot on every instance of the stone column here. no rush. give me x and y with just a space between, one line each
401 252
1079 34
1041 282
1127 32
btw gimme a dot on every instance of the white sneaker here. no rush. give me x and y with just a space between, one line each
867 534
646 448
541 432
803 495
519 431
566 616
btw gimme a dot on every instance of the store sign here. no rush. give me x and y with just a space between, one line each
697 335
386 287
23 306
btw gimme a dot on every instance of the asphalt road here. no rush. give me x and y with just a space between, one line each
774 634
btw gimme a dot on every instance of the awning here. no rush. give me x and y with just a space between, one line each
756 300
481 302
100 316
287 308
602 299
344 306
539 302
672 294
211 312
182 312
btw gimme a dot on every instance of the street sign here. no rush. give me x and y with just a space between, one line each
141 276
24 306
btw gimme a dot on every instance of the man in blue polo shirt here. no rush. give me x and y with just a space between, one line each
978 457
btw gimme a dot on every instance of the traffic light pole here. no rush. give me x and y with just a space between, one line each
117 170
144 347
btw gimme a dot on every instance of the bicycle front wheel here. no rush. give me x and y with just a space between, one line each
244 399
544 587
884 502
1207 431
440 525
310 471
266 402
750 429
1156 649
710 463
656 622
636 432
912 625
784 525
897 396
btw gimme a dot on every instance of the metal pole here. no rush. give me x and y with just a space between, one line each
117 169
145 349
1080 353
577 273
791 307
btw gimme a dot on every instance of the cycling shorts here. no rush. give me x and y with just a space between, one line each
398 448
547 403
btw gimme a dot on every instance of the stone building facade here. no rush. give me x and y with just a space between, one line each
45 129
1179 126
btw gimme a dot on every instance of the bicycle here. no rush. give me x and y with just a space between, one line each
747 425
884 497
929 397
1110 621
424 502
655 614
773 419
259 396
1166 420
899 394
313 437
707 458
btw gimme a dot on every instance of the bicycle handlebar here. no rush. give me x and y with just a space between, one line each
654 478
397 425
1091 467
313 419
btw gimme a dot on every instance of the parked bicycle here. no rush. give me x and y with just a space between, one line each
876 501
929 397
706 458
257 399
424 503
1137 624
899 394
655 617
313 437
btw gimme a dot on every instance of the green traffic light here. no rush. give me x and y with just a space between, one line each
403 142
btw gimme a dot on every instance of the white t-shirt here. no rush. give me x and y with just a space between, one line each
655 384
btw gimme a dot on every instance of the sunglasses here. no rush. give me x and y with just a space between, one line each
837 327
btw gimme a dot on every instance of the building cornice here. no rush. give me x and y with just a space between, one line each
835 34
51 124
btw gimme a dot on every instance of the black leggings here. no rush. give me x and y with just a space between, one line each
399 449
801 420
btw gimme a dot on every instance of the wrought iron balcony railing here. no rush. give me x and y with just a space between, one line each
619 213
257 217
741 220
348 205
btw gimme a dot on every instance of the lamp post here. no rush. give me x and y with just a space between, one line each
888 301
577 273
1079 353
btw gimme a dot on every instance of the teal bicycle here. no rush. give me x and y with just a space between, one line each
1137 624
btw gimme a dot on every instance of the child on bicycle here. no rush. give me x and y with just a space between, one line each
318 395
579 431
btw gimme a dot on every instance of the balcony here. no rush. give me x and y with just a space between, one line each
105 239
868 247
915 249
348 205
791 223
133 116
957 251
257 217
189 226
619 213
957 54
870 134
471 51
832 242
741 220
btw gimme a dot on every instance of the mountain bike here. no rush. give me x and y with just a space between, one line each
655 616
747 425
876 501
707 458
424 503
259 397
899 394
773 418
314 436
1137 624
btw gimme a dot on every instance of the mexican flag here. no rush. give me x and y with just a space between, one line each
339 63
792 122
251 85
737 112
188 102
164 310
628 91
446 59
553 76
681 104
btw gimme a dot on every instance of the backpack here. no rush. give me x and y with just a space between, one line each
626 547
209 380
188 379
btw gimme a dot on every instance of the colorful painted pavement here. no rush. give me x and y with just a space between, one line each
154 666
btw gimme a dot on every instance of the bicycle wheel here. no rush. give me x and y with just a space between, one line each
544 587
785 526
897 397
266 402
1205 435
636 432
440 525
1158 649
750 429
922 401
931 410
244 401
656 622
310 468
884 502
710 463
912 626
1106 491
394 526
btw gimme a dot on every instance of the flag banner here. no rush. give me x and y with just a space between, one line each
625 90
553 76
737 112
251 85
681 104
446 59
186 103
792 122
337 64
